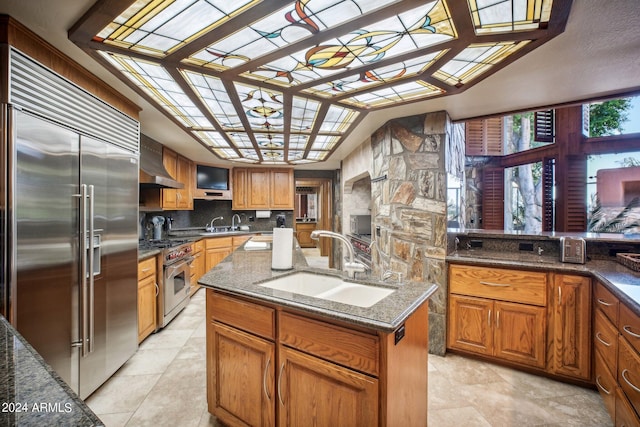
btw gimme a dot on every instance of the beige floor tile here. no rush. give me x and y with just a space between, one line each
116 420
183 374
166 338
145 362
121 394
458 417
194 348
173 407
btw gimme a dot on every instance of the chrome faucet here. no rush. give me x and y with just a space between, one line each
210 226
352 266
234 227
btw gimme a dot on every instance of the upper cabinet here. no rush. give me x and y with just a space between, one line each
261 188
179 168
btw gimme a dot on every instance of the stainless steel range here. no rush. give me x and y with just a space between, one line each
176 277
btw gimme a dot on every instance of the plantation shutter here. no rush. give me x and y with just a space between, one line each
493 199
547 195
484 137
576 194
544 126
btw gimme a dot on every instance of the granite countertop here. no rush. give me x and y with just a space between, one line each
32 393
546 235
622 281
242 272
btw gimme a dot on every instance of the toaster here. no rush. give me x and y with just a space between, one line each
573 249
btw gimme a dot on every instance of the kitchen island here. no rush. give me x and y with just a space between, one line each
277 357
32 393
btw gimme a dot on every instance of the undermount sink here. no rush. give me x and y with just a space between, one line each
329 288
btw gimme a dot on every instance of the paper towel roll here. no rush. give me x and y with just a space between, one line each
282 249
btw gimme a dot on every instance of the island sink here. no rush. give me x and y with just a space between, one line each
329 288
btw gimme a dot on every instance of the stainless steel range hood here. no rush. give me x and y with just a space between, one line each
152 171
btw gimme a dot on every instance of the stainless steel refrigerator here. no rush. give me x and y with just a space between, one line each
71 235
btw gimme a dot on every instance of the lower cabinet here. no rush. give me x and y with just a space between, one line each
503 330
147 294
303 234
217 249
312 391
197 265
270 367
531 318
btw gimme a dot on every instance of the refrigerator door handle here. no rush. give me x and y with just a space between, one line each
91 266
84 326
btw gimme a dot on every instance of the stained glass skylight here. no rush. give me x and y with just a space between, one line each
277 82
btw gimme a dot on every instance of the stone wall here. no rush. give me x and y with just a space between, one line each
410 207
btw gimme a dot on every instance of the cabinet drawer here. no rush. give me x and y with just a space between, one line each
629 325
525 287
340 345
629 372
606 384
245 315
625 415
605 340
219 242
146 268
607 302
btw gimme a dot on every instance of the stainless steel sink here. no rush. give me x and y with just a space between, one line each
330 288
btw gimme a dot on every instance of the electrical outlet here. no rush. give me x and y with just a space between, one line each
526 247
399 334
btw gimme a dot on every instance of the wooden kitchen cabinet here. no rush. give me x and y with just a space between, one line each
147 293
498 313
241 382
503 330
303 234
217 249
570 310
263 188
326 373
312 391
197 265
181 169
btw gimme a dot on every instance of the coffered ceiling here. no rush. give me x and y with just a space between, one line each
342 75
285 82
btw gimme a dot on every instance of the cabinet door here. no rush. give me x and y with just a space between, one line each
303 234
239 185
520 331
282 189
146 306
258 189
571 301
241 377
312 391
470 324
170 162
184 195
214 256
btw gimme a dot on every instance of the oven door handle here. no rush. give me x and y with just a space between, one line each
180 264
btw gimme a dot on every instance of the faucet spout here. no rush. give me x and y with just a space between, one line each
352 266
233 222
209 226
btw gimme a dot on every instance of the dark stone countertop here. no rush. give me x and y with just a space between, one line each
242 272
620 280
32 393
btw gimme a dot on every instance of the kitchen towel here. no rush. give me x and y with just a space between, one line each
282 249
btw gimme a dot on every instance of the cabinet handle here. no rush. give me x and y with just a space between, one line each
559 295
601 340
280 383
264 379
501 285
624 371
489 318
627 329
600 385
603 302
157 289
498 319
144 270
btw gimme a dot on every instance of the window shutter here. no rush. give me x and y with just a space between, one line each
544 126
485 137
576 195
493 199
548 208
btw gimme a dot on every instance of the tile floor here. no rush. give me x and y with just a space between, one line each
163 384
